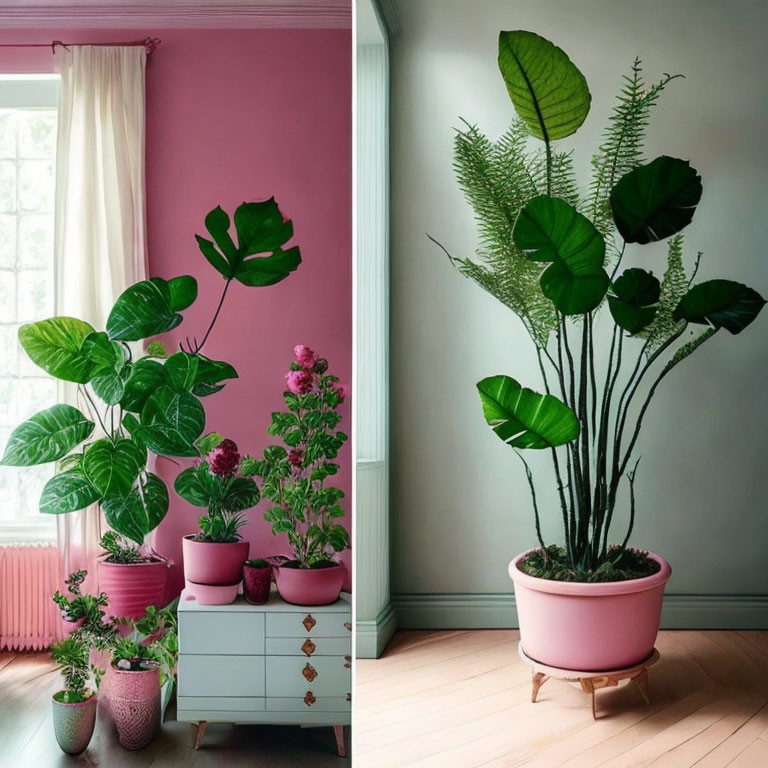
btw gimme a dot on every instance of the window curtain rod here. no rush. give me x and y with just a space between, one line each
149 43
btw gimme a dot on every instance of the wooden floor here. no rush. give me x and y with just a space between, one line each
462 699
28 680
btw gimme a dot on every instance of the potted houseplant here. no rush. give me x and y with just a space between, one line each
554 256
80 607
257 581
134 404
293 478
74 707
215 555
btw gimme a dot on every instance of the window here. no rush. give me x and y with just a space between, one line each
28 116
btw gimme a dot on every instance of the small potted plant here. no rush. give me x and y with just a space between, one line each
74 612
294 478
120 569
257 581
74 707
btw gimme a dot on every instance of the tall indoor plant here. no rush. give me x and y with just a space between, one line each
553 256
142 403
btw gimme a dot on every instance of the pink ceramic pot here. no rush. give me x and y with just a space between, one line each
135 705
256 584
589 627
132 587
210 594
71 626
208 562
309 586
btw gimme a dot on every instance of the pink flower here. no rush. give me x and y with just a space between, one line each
305 357
342 391
296 456
224 459
298 382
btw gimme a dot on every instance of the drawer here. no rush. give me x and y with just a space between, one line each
308 624
222 703
289 676
309 646
221 633
311 704
202 675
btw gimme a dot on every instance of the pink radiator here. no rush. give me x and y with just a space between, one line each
29 575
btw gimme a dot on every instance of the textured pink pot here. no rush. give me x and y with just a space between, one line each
256 584
131 588
73 724
208 562
135 705
71 626
309 586
589 627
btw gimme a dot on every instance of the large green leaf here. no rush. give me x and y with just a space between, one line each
67 492
182 292
171 422
548 91
47 436
550 230
111 468
655 200
146 377
139 511
261 229
144 309
523 418
198 485
56 346
210 374
181 368
720 304
635 294
240 493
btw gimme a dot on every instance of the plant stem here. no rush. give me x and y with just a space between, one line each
199 346
532 487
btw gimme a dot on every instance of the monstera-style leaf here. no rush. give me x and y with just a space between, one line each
148 308
523 418
139 511
635 294
181 368
67 492
240 493
146 377
548 91
210 374
198 485
56 345
46 436
260 229
171 422
655 200
111 467
550 230
720 304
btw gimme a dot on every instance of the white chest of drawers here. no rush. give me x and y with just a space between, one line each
273 663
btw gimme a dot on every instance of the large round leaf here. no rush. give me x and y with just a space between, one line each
523 418
67 492
56 346
171 422
209 375
548 91
182 291
181 368
144 309
46 436
240 493
655 200
635 294
550 230
198 486
720 304
146 377
139 511
111 468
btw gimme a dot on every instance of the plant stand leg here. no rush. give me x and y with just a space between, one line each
341 746
587 685
539 678
198 732
641 681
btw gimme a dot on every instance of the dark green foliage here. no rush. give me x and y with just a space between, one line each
258 563
120 550
72 655
635 295
620 564
720 304
222 527
81 606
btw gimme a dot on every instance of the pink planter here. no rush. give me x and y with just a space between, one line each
131 588
589 627
71 626
309 586
208 562
135 705
256 584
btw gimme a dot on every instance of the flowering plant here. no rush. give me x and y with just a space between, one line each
81 606
219 485
293 475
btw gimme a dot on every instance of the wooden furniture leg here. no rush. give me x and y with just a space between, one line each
539 678
198 732
341 746
588 686
641 681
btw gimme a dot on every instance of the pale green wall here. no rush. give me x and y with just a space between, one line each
459 505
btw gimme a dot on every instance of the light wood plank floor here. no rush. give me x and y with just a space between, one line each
462 699
27 681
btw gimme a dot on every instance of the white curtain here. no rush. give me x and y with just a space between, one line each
100 235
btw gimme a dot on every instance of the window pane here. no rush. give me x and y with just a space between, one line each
7 186
36 185
7 242
34 295
8 345
37 135
7 296
35 241
7 133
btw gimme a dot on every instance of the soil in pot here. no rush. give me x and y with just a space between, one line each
257 582
319 585
214 563
131 587
135 703
73 722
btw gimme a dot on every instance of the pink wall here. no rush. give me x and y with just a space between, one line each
236 115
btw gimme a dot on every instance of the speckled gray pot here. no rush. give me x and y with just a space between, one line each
73 724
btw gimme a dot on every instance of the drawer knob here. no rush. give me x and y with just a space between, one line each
309 672
308 647
347 626
309 621
349 697
347 662
309 698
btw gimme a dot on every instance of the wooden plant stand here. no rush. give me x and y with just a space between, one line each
590 681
